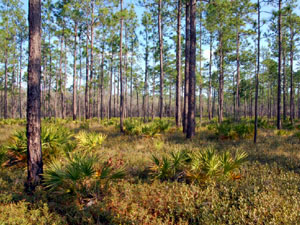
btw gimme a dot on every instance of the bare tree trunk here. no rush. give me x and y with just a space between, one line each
257 73
284 86
20 78
153 97
221 79
192 72
237 103
75 76
146 95
34 149
87 82
178 67
186 72
102 83
292 106
279 69
79 85
200 71
92 64
121 75
161 99
210 77
110 85
5 85
214 103
61 78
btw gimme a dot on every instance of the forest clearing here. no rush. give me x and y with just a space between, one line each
149 112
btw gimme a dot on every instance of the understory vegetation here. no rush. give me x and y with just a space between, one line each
93 174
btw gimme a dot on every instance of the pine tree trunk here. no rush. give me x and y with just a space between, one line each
237 103
186 72
110 85
34 149
284 86
101 84
161 86
279 69
257 74
192 72
178 67
5 85
87 86
91 66
121 74
292 106
75 76
210 77
61 78
20 78
221 79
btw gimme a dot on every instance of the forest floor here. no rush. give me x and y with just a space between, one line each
267 190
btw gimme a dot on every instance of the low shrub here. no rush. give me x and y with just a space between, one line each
56 140
81 175
137 127
233 131
198 167
90 140
207 165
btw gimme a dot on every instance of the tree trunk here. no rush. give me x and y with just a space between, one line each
92 64
237 103
5 85
192 72
110 84
121 74
200 71
186 72
210 77
20 78
284 86
34 149
257 72
102 83
161 86
279 69
178 67
87 82
146 96
75 76
61 78
221 79
292 106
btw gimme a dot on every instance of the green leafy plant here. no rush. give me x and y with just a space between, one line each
170 166
90 140
80 175
56 140
207 165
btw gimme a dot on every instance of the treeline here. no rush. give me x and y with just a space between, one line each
181 59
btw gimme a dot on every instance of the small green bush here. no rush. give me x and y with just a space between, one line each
90 140
80 175
197 167
228 130
56 140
